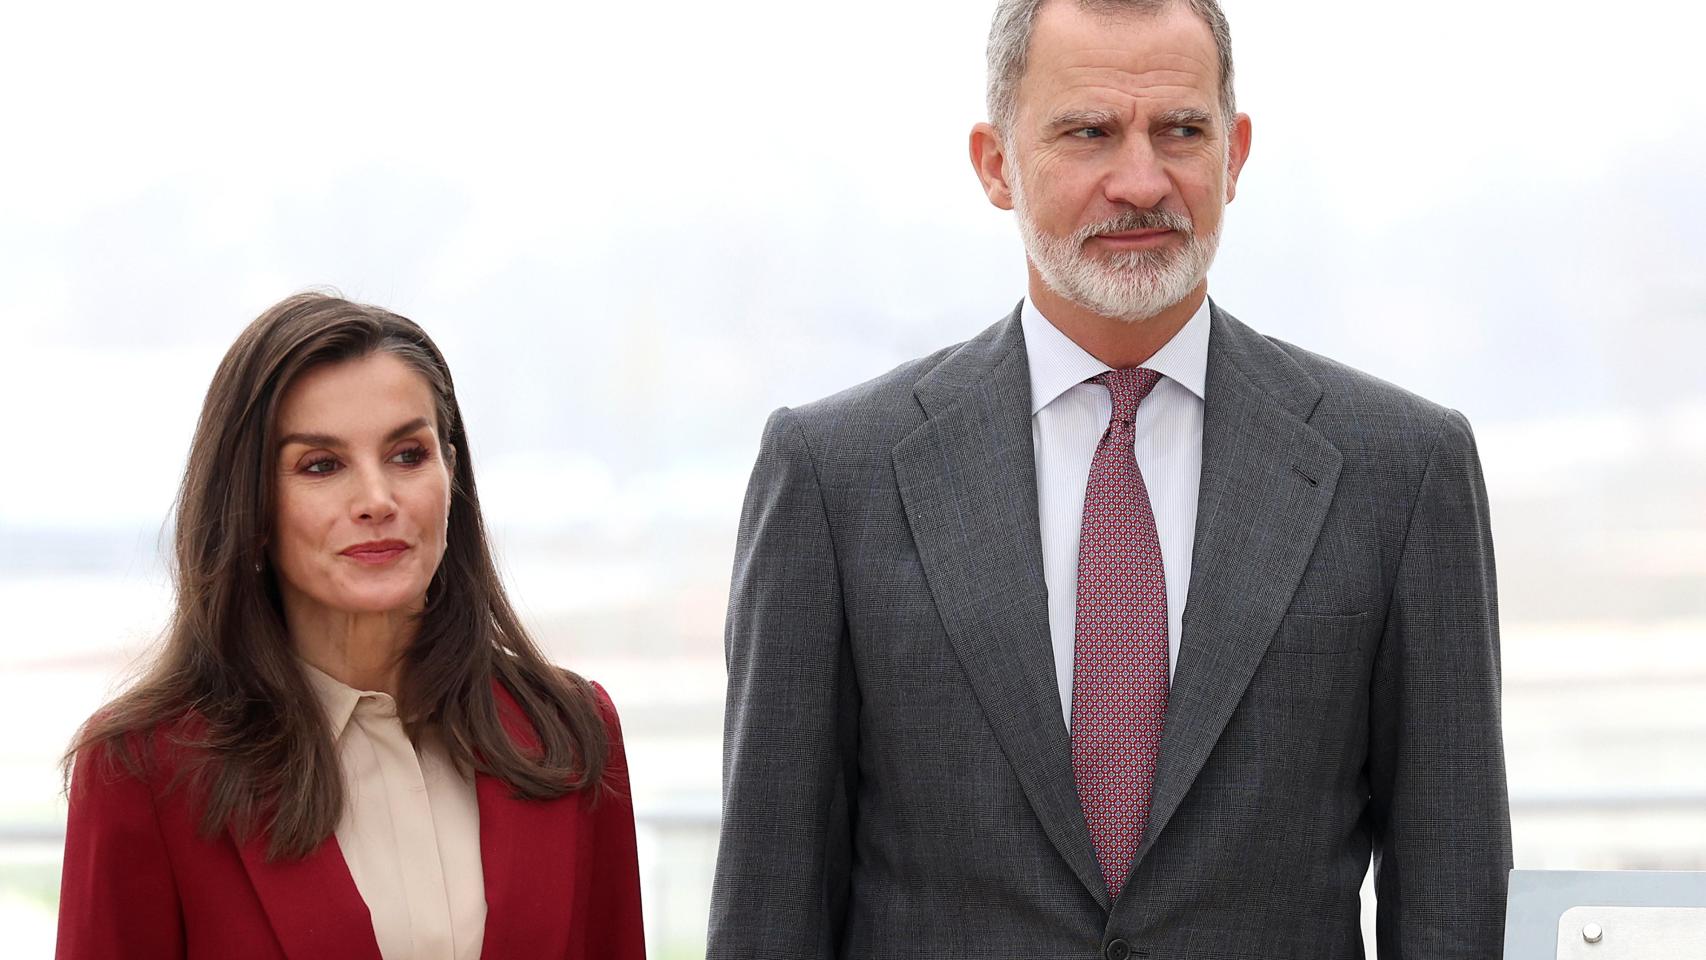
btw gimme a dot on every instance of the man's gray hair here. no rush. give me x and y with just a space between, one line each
1010 46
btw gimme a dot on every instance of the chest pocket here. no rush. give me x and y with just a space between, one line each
1320 635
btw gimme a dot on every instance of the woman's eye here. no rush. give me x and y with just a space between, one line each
321 467
411 456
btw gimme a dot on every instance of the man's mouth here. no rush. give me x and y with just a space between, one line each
1135 239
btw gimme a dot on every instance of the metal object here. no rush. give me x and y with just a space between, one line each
1535 924
1632 933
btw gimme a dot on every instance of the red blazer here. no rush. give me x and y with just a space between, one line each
562 876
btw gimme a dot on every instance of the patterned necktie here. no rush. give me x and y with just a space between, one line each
1119 663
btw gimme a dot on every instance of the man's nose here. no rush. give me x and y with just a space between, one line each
374 499
1138 178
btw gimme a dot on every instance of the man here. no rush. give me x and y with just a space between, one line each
1119 630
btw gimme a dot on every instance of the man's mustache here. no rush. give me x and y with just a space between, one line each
1136 220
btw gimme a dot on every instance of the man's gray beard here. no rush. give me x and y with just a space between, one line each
1130 286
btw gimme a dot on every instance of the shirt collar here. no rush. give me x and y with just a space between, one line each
337 699
1058 364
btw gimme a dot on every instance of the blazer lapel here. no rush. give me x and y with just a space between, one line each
313 905
967 478
507 853
523 847
318 914
1267 482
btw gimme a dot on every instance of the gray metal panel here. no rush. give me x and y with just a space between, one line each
1632 933
1539 898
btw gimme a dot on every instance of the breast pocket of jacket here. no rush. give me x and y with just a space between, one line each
1308 634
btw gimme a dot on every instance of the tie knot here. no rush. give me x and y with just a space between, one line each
1128 387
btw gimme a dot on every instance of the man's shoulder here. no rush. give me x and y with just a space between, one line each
1358 410
1342 383
887 407
884 395
1328 386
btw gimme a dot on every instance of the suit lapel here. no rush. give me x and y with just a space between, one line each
968 480
313 905
1267 482
523 847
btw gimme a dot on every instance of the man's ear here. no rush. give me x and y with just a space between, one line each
1238 151
989 159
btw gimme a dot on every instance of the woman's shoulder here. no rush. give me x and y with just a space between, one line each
512 713
115 760
614 778
606 706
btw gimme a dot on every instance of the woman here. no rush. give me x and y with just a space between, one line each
348 747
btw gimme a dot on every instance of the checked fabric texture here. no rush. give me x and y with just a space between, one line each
1119 672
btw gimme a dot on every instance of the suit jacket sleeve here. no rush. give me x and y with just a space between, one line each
615 928
1437 774
117 896
789 747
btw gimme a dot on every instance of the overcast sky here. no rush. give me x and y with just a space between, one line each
636 228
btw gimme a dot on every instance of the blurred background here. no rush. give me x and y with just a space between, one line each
636 229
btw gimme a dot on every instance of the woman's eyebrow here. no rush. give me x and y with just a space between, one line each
327 440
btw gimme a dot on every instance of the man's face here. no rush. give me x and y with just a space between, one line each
1120 162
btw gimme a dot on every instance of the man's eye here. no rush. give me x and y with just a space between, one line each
1089 133
1186 132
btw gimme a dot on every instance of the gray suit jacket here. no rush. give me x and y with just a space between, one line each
897 773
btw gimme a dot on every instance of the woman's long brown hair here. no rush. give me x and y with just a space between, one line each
257 749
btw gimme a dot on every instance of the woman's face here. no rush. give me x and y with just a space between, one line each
363 489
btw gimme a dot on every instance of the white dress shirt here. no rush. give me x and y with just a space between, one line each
410 830
1068 418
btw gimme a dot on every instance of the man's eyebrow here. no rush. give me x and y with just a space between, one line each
327 440
1184 117
1075 119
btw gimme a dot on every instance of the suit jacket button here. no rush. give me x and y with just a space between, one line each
1117 950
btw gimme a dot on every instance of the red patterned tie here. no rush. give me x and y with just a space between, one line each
1119 662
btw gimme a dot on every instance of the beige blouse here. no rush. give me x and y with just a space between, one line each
410 830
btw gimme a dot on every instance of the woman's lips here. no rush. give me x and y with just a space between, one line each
376 553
